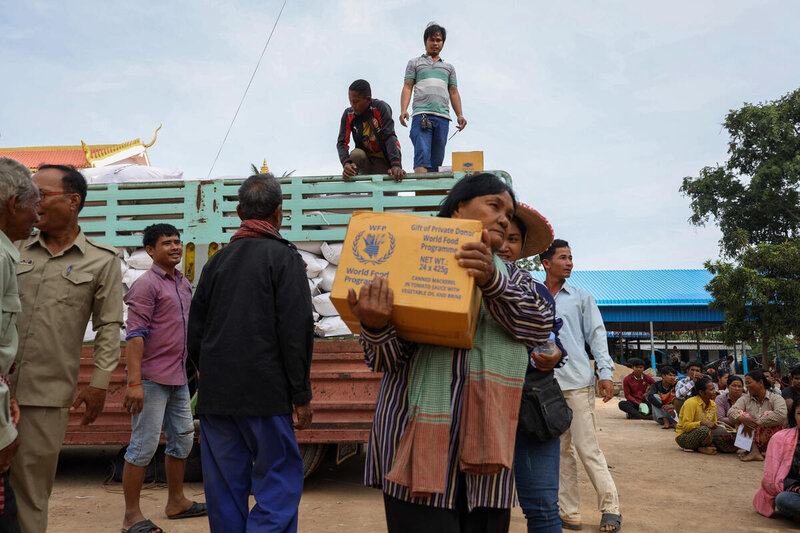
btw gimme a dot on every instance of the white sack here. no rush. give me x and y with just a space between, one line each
132 275
314 247
326 278
313 286
130 173
88 335
322 304
140 260
331 326
332 252
314 264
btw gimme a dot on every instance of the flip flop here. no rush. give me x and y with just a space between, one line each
613 520
573 527
143 526
197 509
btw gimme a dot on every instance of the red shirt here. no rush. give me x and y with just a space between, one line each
636 389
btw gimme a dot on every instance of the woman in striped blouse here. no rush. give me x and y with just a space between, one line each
453 491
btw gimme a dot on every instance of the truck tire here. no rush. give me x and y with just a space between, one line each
312 455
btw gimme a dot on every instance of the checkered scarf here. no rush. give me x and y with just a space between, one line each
253 227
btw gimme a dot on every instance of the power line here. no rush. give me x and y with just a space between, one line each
246 89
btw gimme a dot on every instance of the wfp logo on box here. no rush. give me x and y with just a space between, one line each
372 248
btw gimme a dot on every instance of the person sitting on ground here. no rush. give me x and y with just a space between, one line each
660 395
635 386
721 378
683 388
780 484
727 398
774 385
697 428
370 121
761 411
790 394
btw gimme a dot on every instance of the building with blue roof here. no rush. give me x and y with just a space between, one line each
635 304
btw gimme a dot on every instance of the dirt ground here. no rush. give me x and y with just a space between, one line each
661 489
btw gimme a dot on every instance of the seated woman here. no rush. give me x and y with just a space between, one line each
721 379
727 398
697 422
780 484
761 411
440 452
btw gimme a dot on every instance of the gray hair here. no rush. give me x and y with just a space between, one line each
15 178
259 196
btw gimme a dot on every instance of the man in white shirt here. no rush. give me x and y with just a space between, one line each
583 324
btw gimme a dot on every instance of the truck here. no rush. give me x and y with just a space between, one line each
316 209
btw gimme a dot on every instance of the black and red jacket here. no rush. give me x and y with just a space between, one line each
380 115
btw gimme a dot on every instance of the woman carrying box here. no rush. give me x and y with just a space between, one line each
442 441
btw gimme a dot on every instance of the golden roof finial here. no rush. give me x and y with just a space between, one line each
155 136
264 167
87 151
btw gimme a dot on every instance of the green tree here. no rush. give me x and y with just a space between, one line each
754 199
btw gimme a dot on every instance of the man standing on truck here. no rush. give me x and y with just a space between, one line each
251 336
157 393
435 87
377 150
19 205
64 278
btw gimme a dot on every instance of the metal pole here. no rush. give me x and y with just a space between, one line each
652 347
744 358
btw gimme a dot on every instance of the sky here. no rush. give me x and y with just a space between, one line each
598 110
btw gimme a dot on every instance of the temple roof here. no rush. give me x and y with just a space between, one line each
80 156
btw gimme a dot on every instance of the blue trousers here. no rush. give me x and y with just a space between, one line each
788 504
536 474
429 143
240 453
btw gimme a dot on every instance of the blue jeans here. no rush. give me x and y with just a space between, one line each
244 452
788 504
536 474
169 405
429 143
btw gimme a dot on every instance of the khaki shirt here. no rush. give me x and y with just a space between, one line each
772 404
9 308
59 293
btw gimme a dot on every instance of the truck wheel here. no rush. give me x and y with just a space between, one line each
312 455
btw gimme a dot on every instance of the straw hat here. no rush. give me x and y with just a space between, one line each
538 231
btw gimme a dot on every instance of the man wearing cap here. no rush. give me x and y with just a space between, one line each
583 325
433 82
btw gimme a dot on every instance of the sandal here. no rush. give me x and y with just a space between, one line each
577 526
143 526
197 509
613 520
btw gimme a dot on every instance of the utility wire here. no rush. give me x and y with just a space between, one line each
246 89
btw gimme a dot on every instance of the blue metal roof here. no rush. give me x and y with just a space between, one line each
631 299
642 287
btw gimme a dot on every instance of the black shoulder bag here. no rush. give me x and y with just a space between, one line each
543 413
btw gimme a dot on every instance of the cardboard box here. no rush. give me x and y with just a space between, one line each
468 161
435 300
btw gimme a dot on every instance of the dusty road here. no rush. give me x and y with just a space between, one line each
661 489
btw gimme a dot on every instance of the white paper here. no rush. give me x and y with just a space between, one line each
675 415
743 441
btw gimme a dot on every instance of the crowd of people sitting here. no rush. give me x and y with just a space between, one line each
708 412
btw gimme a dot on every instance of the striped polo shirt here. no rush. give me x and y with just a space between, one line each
431 83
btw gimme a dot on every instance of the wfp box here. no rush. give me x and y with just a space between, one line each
435 300
468 161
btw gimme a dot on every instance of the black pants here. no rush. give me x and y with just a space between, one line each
405 517
8 520
630 408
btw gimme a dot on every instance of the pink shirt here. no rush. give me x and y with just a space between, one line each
158 311
777 464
